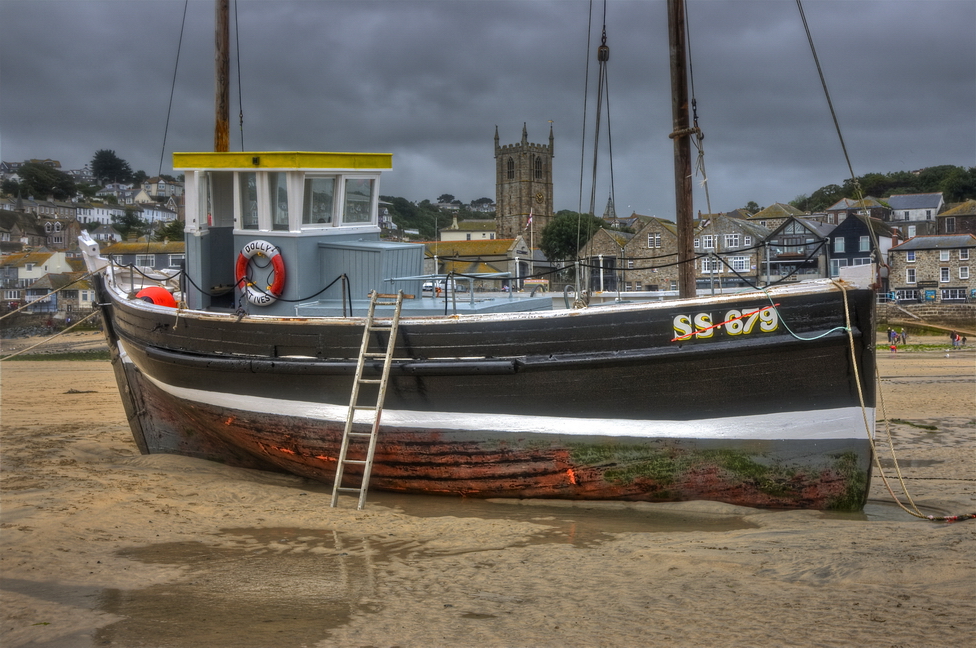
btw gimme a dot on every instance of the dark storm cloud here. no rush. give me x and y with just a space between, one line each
429 81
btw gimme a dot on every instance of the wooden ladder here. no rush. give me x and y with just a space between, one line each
348 436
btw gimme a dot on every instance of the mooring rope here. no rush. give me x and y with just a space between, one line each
45 341
871 437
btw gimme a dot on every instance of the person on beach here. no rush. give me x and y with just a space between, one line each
894 349
904 336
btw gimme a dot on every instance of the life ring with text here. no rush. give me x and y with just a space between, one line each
254 295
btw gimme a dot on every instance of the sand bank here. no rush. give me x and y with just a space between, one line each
102 546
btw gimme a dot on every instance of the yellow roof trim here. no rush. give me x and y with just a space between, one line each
283 160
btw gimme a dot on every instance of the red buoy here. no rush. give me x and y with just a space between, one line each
157 295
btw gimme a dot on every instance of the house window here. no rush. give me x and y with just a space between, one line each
911 231
747 241
739 263
950 224
731 241
638 286
839 244
928 214
538 168
910 275
964 254
708 241
906 295
697 243
710 265
953 294
630 264
146 260
943 275
511 168
964 272
943 255
865 244
175 260
28 267
906 215
836 265
654 240
910 256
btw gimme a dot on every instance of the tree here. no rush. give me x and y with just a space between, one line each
445 198
482 201
139 177
566 233
752 207
41 181
107 166
129 224
172 231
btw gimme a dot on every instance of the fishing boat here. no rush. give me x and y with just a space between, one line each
291 312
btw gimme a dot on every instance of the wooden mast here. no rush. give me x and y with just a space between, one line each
682 148
222 77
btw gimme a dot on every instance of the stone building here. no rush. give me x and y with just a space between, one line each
523 187
651 256
958 219
934 268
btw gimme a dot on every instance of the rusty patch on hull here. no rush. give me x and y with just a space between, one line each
831 474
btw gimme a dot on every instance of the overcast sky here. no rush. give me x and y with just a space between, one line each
430 80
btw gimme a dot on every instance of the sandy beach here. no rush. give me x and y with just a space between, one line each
100 546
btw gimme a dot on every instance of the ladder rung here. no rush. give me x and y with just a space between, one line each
361 434
370 381
365 408
374 355
346 489
355 462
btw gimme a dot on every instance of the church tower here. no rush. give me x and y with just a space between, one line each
523 187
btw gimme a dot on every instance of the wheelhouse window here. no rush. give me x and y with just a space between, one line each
249 200
319 204
278 184
357 206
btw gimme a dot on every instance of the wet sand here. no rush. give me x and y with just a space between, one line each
100 546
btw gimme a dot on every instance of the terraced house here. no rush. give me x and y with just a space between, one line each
934 268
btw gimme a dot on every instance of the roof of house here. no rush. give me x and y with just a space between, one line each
23 258
473 225
937 242
850 203
469 248
915 201
59 280
967 208
777 210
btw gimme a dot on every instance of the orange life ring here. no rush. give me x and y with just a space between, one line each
273 292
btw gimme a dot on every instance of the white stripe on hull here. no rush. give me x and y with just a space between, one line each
810 425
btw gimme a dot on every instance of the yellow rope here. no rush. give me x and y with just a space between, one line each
45 341
891 446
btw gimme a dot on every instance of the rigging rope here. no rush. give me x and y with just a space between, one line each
240 91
